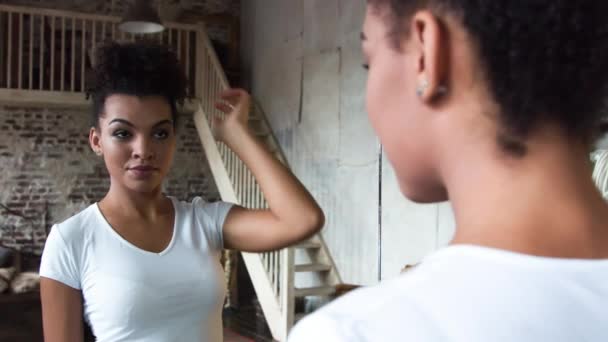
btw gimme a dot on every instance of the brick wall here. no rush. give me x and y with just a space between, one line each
48 172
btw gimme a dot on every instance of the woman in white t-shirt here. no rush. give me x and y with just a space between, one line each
493 105
139 265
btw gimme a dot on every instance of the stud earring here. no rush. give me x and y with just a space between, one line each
422 87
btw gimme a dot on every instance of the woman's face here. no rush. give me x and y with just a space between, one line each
398 116
136 138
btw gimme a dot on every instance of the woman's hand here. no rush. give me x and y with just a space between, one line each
236 104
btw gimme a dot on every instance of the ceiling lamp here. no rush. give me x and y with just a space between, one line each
141 17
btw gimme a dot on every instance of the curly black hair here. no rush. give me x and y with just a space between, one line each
544 60
139 69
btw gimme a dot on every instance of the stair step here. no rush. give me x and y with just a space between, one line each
315 291
308 245
317 267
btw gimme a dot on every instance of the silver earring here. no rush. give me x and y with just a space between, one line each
422 87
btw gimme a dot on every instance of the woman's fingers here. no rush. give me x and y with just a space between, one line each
234 96
224 107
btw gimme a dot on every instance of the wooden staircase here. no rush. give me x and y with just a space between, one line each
272 274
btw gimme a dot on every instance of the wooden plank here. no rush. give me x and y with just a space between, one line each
42 97
84 16
73 61
315 291
31 59
179 45
287 291
52 77
20 54
93 38
55 13
83 49
312 267
9 67
103 32
308 245
62 80
3 46
42 64
200 61
187 60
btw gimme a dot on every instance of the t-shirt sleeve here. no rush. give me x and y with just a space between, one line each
319 327
212 217
59 260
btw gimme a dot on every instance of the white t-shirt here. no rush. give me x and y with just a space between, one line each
138 296
467 293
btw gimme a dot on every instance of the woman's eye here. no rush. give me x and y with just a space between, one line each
161 135
121 134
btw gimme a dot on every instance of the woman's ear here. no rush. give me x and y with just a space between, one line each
95 141
428 39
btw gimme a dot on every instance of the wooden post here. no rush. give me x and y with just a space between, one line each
179 45
41 66
199 87
83 49
31 59
52 80
3 48
287 291
62 78
73 59
20 54
9 50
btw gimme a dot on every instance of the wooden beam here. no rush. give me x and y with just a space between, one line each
65 99
42 97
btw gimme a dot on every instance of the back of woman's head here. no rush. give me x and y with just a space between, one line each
544 60
140 69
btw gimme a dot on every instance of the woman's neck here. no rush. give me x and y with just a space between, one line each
542 204
146 205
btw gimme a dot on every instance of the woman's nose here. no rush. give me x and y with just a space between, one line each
142 149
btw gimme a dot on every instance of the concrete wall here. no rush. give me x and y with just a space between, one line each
302 61
48 171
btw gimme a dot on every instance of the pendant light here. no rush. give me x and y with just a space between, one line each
141 18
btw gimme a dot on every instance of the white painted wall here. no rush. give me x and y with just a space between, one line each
603 143
302 61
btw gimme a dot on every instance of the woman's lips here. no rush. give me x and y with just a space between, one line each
142 171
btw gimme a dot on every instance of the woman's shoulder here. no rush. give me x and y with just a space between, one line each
75 226
199 205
